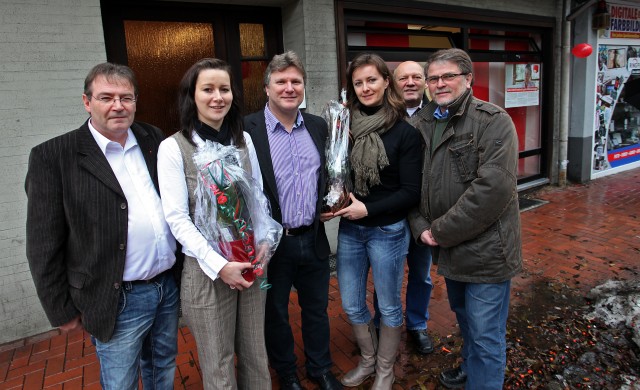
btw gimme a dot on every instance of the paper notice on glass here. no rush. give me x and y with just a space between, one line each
521 97
522 83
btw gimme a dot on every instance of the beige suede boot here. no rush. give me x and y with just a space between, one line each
386 357
367 341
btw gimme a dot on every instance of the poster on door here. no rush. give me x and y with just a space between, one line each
522 83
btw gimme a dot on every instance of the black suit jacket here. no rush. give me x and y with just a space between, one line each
77 227
255 125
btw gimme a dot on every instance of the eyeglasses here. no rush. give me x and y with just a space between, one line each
106 100
447 78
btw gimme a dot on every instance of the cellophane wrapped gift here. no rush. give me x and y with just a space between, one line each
231 211
337 155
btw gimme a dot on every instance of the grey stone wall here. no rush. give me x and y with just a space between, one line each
46 50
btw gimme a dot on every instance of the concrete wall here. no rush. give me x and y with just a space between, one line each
46 50
581 114
309 30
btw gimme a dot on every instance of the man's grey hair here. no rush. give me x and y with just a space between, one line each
281 62
457 56
112 72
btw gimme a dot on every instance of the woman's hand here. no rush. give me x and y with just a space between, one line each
355 210
324 217
231 274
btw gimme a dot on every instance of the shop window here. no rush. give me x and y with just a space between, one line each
509 60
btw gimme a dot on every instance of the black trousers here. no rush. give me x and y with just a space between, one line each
296 264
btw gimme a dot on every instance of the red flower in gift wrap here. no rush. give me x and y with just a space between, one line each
232 212
231 207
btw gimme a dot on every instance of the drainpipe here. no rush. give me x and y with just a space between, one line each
565 84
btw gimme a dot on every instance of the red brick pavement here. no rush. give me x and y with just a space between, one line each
585 235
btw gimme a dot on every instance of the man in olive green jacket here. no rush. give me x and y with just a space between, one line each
469 213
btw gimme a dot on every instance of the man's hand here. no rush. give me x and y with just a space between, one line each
427 238
74 324
231 274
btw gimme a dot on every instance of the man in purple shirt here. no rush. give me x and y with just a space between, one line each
290 147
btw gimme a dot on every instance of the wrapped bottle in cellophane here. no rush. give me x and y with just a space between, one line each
337 155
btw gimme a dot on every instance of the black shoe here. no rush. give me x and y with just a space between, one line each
453 378
422 341
290 382
327 381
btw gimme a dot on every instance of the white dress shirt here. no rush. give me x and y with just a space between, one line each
412 110
150 244
175 201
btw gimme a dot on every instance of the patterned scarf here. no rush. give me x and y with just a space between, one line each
368 156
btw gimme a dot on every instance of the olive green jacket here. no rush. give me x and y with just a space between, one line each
469 198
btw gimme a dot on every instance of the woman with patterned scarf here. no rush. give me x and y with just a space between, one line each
386 158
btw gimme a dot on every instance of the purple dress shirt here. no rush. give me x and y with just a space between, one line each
296 165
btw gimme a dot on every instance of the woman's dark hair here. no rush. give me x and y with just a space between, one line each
188 110
392 104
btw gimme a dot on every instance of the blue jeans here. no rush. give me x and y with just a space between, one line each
419 288
296 264
481 311
383 249
145 338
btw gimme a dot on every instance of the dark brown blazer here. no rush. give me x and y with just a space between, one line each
255 125
77 227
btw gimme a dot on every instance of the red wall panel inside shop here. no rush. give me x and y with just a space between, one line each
480 69
387 39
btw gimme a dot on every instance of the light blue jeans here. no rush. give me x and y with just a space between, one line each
383 249
481 310
145 338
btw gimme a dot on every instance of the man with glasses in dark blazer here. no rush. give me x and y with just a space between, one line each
98 246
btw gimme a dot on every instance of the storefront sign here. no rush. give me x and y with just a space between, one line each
624 156
625 22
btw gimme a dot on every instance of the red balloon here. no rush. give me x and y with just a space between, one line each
582 50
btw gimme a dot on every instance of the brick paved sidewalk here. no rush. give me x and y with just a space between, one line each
585 235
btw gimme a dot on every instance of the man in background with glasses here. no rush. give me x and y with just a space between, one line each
98 246
469 213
